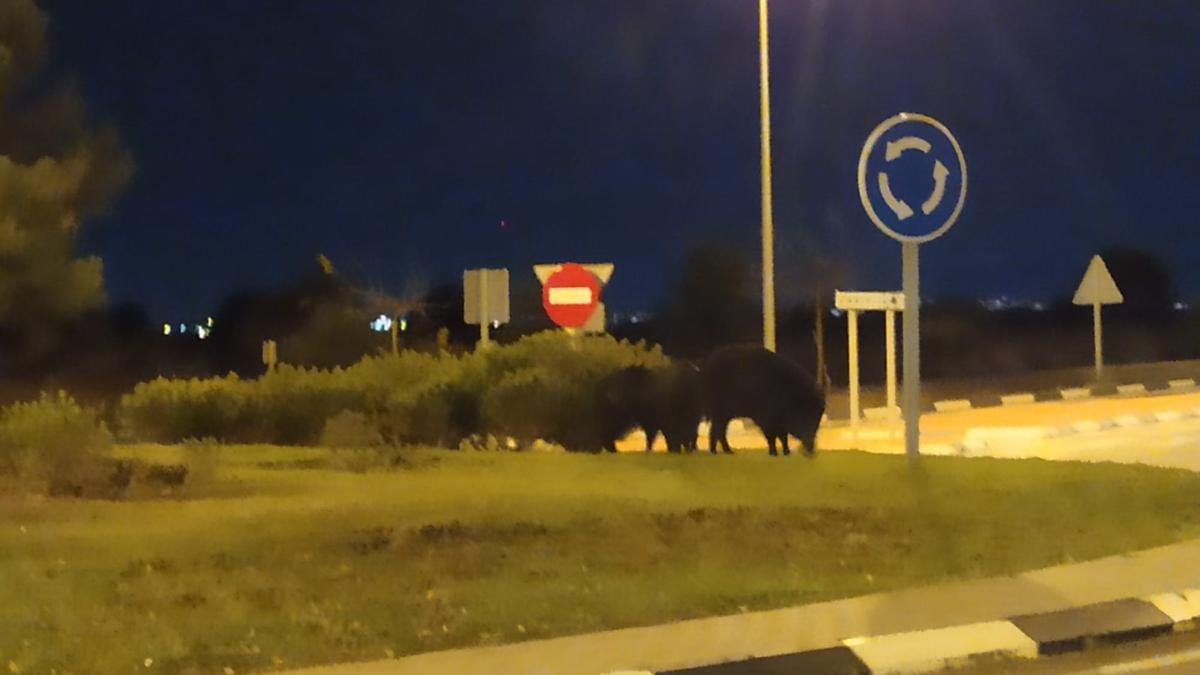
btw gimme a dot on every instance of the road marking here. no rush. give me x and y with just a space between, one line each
1147 664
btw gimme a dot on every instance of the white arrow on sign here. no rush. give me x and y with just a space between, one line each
1098 288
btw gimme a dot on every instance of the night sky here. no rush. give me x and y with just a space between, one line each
409 139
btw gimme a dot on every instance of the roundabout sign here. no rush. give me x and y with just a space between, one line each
912 180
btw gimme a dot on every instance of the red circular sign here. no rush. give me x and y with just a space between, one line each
570 295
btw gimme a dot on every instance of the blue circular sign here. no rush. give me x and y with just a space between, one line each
912 178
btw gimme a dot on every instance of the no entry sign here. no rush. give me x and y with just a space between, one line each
571 295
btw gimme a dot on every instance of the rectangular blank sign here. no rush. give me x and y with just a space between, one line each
497 296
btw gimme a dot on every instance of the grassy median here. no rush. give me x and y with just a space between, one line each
280 558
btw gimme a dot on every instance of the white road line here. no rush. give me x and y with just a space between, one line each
1147 664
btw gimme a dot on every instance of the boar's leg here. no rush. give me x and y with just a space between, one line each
716 435
651 434
783 440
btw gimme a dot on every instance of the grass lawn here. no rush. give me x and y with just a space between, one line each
279 562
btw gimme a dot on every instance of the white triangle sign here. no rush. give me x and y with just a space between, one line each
1097 286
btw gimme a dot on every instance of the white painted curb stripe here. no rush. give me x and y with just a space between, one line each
1168 416
952 405
1130 389
1017 399
1089 426
882 414
1182 606
1181 384
568 295
1127 421
1075 394
929 650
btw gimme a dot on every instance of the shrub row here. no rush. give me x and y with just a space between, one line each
538 387
53 445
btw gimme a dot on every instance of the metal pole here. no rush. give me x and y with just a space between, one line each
912 350
852 329
483 309
889 318
768 259
1099 339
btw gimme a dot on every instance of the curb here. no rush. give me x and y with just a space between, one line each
980 441
1028 636
1061 394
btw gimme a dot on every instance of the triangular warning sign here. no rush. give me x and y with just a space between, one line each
1098 286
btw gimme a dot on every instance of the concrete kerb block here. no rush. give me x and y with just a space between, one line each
1131 389
952 405
1017 399
1187 383
1127 421
1091 426
1168 416
883 414
1004 441
1075 394
930 650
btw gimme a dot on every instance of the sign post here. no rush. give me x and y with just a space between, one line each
485 300
270 355
912 180
1097 288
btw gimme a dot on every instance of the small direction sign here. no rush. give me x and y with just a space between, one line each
1098 288
866 301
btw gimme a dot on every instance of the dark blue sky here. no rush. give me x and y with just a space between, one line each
396 136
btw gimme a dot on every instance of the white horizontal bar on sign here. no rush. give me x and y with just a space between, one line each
571 295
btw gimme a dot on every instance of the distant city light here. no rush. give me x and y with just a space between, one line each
210 322
836 312
382 324
1180 306
495 324
182 328
403 324
166 329
202 332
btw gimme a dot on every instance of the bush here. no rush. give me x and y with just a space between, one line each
543 386
350 429
539 387
54 446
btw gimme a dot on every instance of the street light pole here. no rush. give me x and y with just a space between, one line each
768 254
